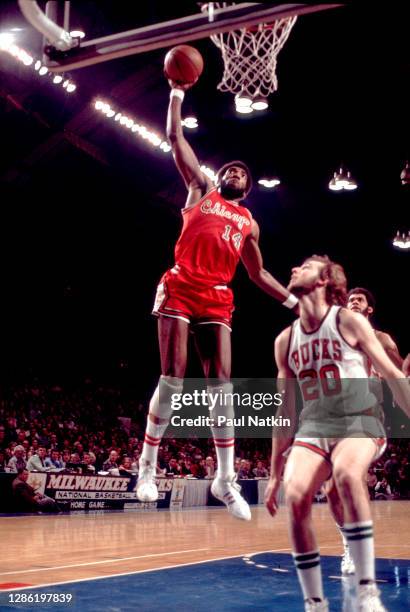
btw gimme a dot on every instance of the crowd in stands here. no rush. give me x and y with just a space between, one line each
99 429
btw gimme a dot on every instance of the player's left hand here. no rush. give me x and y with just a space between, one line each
178 85
270 495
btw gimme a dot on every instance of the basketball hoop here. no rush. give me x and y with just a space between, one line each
250 55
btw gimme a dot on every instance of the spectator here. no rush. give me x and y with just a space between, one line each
209 468
27 500
173 469
391 470
3 443
185 465
135 458
65 457
3 466
111 464
371 482
88 463
74 464
53 461
125 468
37 462
260 470
382 489
244 470
17 461
403 479
198 468
21 436
53 442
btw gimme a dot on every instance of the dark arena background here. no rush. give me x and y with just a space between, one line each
90 213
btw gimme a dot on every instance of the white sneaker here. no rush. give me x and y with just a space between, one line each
316 606
347 565
147 490
228 491
369 599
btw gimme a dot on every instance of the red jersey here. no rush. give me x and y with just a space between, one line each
212 238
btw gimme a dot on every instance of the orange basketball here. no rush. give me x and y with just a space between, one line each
183 64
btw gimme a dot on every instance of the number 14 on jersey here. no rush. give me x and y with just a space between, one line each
236 238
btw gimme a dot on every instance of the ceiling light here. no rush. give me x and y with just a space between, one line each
57 79
260 104
165 146
190 122
71 87
244 110
77 34
269 183
6 40
242 101
350 183
43 70
334 184
342 180
209 172
401 241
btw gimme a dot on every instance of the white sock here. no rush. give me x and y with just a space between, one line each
224 436
309 574
361 544
160 406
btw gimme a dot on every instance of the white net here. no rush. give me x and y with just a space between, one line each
250 55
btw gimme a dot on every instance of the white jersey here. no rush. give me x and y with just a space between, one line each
332 375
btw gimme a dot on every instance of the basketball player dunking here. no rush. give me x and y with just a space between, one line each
325 349
217 232
361 300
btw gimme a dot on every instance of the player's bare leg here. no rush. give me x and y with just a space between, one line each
173 341
305 471
336 508
351 459
213 343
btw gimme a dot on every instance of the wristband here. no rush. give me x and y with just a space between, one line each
290 301
177 93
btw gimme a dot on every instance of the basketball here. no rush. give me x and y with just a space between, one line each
183 64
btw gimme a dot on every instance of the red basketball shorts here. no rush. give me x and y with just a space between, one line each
197 305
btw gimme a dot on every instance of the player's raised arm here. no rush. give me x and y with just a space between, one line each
185 159
282 439
358 332
252 259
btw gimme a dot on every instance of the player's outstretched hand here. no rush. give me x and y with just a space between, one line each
178 85
270 495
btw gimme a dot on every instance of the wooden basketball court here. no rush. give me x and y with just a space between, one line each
44 550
